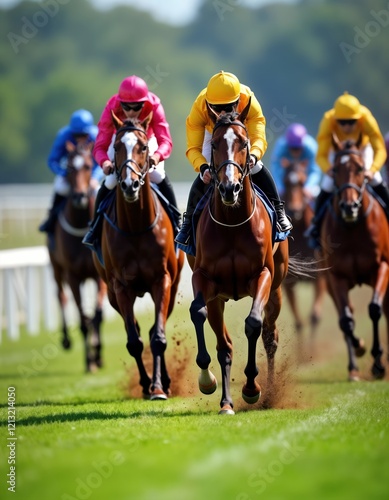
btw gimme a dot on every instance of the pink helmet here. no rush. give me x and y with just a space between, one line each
133 89
295 134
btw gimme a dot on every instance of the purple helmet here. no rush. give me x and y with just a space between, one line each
295 134
387 141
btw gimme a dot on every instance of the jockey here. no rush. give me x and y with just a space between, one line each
296 145
224 92
81 129
348 119
133 100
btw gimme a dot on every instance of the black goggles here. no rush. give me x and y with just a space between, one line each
346 122
228 108
132 106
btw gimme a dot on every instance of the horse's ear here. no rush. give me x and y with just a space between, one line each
70 147
116 121
242 117
146 122
212 113
359 141
336 142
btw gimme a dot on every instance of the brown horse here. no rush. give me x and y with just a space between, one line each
138 251
299 209
356 250
71 261
235 258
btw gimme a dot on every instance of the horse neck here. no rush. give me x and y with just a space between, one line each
77 217
239 213
139 215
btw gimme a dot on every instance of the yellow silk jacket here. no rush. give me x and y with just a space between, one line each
366 125
198 121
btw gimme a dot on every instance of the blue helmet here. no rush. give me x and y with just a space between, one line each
81 122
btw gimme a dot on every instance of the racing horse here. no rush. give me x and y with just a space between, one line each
235 258
356 252
299 209
71 261
138 252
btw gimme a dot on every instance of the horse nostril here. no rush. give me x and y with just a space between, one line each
135 185
123 185
222 189
237 188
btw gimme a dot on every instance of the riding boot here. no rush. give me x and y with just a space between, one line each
383 192
196 192
94 232
264 180
48 225
167 190
313 232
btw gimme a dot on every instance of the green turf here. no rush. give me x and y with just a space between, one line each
81 437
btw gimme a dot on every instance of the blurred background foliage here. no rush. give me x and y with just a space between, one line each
297 58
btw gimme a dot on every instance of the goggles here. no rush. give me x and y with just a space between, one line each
132 106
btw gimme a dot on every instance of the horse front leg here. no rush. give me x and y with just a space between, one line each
124 304
97 321
260 291
375 311
161 380
62 300
215 309
338 290
198 315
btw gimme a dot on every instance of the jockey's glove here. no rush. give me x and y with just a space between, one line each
204 167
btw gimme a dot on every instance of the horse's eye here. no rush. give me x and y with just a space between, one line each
212 145
335 170
144 148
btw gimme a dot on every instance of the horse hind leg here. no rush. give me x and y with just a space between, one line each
95 338
378 370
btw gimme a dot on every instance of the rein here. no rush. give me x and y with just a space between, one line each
74 231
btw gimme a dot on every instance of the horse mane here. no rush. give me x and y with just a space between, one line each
227 118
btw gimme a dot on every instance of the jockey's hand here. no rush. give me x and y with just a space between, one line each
368 175
107 167
253 160
205 174
154 160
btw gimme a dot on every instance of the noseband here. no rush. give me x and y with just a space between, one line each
129 162
215 171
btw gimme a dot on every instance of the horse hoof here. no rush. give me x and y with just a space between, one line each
251 396
226 410
361 349
353 376
378 372
66 344
158 395
207 382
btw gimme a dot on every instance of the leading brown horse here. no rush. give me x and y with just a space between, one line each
71 261
235 258
138 250
355 233
299 209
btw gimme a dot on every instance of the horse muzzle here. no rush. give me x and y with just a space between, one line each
349 211
230 192
80 200
130 190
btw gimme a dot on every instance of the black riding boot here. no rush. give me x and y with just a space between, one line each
313 232
95 225
264 180
48 225
167 190
383 193
196 192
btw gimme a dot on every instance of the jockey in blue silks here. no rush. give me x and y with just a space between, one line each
81 129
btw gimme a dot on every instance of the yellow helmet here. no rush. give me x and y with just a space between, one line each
347 107
223 88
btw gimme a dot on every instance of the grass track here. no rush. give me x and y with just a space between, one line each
80 437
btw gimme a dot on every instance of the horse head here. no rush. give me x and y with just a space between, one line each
348 173
295 177
230 162
131 155
79 172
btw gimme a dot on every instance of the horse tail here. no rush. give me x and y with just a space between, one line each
304 268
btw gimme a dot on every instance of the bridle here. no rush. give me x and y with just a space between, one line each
139 171
215 170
